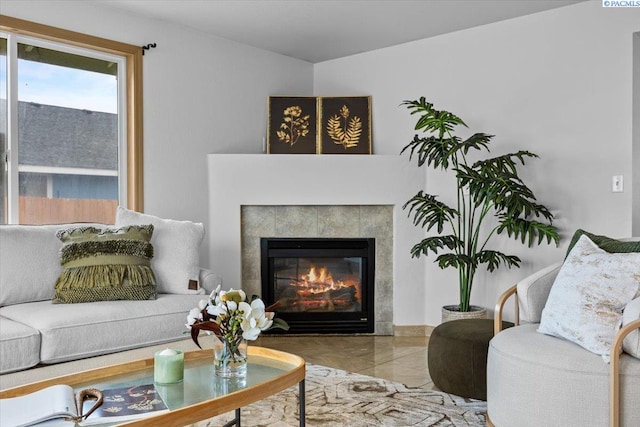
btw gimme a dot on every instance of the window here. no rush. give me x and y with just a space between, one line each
70 125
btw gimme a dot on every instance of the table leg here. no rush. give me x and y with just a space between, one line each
301 399
235 421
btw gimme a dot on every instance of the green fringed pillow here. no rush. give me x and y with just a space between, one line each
105 264
605 243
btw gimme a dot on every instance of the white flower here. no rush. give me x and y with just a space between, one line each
216 310
255 319
218 298
245 308
251 334
257 303
250 329
214 293
233 295
265 323
248 324
265 320
194 315
202 304
257 308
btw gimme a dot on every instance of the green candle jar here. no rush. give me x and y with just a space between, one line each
168 366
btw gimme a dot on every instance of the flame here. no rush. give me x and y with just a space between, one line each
317 290
321 276
320 280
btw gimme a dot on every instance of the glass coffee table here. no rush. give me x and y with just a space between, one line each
201 395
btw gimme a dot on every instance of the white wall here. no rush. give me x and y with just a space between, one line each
558 83
202 94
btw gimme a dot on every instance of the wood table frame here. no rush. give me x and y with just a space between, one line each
199 411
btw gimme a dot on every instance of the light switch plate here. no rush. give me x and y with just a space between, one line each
617 184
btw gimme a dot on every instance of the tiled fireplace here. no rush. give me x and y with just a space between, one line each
299 196
353 224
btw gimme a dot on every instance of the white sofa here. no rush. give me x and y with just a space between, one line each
540 380
34 331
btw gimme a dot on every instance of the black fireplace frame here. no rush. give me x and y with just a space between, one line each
321 322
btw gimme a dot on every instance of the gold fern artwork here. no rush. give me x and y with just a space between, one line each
294 125
344 131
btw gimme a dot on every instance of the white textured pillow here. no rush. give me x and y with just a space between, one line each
631 344
29 262
176 246
587 298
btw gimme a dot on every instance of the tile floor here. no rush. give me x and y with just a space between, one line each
400 359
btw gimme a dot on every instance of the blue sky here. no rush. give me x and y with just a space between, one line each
66 87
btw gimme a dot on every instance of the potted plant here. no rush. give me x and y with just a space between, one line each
489 188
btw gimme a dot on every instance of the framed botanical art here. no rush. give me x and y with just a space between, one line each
292 125
319 125
345 125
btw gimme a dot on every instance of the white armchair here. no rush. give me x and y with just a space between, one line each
539 380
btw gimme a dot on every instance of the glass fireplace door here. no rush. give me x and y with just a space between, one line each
318 284
321 285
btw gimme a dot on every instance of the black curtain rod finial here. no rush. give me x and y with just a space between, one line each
147 47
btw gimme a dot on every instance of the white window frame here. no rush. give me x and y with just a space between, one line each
13 137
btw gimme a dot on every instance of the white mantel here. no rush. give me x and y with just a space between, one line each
237 180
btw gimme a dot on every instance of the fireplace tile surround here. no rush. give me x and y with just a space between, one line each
323 221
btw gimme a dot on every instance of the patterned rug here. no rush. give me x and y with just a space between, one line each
340 398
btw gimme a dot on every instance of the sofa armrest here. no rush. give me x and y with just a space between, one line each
533 292
530 297
209 280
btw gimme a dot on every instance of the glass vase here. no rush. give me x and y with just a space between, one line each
230 357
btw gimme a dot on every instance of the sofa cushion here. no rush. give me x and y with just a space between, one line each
540 380
73 331
587 298
631 342
606 243
177 250
30 262
105 264
19 346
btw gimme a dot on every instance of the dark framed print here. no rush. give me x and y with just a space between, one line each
345 125
292 125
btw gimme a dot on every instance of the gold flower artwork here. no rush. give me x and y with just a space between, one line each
344 131
294 125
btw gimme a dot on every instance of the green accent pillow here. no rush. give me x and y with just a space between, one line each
105 264
605 243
